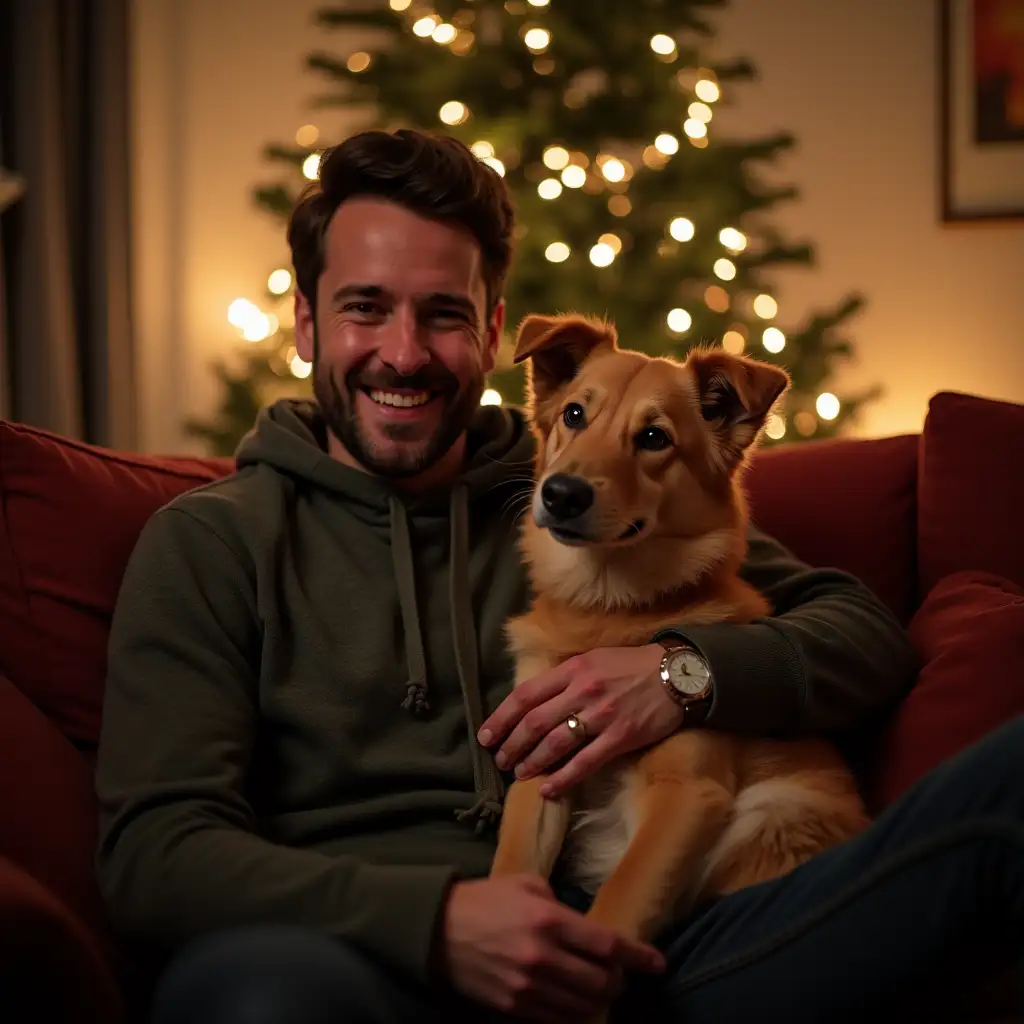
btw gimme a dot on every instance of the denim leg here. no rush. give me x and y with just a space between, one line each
933 889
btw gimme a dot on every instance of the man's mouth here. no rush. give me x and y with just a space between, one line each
400 400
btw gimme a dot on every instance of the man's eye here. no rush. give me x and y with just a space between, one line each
448 314
363 308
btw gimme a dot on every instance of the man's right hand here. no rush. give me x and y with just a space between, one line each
508 944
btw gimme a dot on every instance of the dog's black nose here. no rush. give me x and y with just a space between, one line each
566 497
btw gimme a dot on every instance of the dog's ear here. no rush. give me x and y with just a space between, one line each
736 395
557 347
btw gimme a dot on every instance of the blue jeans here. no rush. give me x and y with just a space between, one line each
930 897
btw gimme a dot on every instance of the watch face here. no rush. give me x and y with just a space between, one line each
688 673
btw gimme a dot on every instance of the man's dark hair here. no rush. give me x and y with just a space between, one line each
434 176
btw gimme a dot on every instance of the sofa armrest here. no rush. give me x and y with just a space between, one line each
49 961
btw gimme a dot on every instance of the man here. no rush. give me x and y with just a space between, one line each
304 656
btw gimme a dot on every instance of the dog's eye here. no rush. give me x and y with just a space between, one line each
653 439
574 416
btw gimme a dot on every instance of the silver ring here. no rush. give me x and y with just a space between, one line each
576 728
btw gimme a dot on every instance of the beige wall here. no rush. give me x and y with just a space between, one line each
854 80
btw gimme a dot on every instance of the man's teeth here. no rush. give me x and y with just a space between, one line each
405 401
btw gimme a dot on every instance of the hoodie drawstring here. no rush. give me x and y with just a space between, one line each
486 811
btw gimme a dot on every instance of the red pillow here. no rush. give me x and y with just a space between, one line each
969 635
70 514
971 494
847 504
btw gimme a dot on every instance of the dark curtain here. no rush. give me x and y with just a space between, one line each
67 362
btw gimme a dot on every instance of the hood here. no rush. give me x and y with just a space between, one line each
290 437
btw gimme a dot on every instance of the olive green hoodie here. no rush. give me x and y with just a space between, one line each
299 661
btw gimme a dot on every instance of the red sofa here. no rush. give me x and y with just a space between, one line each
931 522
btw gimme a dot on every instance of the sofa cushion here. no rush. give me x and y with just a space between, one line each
847 504
971 491
969 635
70 514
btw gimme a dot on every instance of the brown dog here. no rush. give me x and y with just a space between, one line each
650 532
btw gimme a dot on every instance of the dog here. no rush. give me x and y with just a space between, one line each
643 528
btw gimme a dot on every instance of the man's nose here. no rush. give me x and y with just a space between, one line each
402 344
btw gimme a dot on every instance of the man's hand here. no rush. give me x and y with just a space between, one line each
618 697
508 944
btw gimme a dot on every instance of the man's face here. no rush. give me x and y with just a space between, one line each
403 341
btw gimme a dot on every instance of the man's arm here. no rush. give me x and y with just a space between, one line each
178 852
830 656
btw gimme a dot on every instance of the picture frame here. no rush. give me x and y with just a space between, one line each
981 110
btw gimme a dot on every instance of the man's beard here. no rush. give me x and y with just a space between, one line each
404 457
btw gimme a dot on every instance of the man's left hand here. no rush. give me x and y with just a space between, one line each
616 694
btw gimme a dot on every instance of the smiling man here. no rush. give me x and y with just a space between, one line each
308 691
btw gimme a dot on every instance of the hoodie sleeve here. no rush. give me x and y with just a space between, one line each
831 656
178 852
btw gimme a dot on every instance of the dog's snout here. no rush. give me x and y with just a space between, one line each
566 497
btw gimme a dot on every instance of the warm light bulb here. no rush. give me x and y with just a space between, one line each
695 129
805 422
663 45
299 366
699 112
613 170
538 3
490 397
424 27
574 176
556 157
453 112
667 144
725 269
358 62
733 343
257 327
775 428
619 206
482 150
602 254
706 90
400 5
444 33
557 252
827 406
311 166
549 188
733 239
765 307
678 320
241 311
681 229
279 281
537 39
307 135
613 241
773 339
495 164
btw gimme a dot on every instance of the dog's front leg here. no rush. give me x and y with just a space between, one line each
533 827
685 788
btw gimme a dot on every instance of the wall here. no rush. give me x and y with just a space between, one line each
854 80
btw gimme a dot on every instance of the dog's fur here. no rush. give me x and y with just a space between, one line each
702 813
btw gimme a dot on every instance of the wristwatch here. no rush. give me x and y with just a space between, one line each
686 676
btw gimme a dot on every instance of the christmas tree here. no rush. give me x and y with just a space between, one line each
601 117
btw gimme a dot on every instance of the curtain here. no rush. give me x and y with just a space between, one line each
68 362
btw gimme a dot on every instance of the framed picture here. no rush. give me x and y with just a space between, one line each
981 110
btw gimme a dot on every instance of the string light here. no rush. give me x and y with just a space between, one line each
254 324
537 39
311 166
805 423
725 269
706 90
733 240
299 366
695 129
357 62
495 164
602 254
424 27
775 428
574 176
453 112
490 397
699 112
733 343
663 45
613 169
557 252
400 5
444 33
612 241
619 206
482 150
279 281
555 157
765 307
678 320
538 3
549 188
666 144
827 406
773 340
681 229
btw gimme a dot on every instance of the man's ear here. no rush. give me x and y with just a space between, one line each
557 347
736 395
